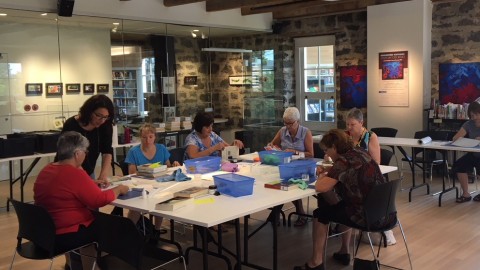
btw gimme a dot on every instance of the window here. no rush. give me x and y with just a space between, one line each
263 71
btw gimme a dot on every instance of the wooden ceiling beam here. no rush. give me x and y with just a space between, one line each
218 5
173 3
288 6
316 11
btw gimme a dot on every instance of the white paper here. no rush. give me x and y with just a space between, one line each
466 142
425 140
230 151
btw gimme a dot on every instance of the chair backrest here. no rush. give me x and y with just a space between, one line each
36 225
385 131
124 167
379 206
385 156
317 151
177 154
120 238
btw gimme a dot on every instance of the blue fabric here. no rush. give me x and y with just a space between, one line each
177 176
194 139
298 143
136 156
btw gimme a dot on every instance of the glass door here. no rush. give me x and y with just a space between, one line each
316 82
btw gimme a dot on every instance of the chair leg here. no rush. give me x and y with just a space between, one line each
13 258
406 246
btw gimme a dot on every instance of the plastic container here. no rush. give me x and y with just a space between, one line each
275 157
203 164
296 168
234 185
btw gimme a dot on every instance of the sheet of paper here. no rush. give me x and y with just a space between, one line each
466 142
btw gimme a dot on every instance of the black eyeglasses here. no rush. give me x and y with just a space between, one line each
101 117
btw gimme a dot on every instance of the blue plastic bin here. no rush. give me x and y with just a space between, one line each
203 164
296 168
234 185
275 157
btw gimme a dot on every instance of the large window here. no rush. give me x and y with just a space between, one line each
316 82
263 71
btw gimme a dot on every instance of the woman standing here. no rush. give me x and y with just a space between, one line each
94 121
296 139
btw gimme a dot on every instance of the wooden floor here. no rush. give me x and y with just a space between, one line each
439 238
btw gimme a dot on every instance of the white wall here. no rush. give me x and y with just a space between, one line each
404 26
153 10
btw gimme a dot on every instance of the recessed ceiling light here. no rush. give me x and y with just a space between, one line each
116 23
3 14
195 30
44 14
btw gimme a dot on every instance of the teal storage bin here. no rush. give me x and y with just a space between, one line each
275 157
203 164
234 185
296 168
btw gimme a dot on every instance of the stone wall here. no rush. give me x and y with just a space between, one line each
455 35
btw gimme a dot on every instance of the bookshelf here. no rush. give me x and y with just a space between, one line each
126 89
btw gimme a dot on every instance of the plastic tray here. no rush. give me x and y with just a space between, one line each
275 157
234 185
296 168
203 164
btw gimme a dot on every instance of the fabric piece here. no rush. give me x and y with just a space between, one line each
299 182
177 176
229 167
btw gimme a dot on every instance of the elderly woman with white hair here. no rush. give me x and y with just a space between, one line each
295 138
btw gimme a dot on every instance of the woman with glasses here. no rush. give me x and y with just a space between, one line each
94 121
361 136
297 139
67 192
202 141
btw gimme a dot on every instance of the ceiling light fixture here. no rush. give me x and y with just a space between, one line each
204 36
3 14
116 23
44 14
194 35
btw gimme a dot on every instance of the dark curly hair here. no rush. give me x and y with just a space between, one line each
338 137
202 119
92 104
474 107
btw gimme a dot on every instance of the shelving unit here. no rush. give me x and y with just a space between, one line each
126 90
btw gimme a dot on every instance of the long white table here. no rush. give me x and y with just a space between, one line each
442 146
225 208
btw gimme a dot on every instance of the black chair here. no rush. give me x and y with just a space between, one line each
36 225
317 151
379 206
385 158
387 132
127 248
177 154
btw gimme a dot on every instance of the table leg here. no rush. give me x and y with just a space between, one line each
414 163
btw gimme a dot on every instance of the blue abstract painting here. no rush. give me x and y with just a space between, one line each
353 86
459 82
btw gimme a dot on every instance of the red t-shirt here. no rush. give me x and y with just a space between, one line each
68 194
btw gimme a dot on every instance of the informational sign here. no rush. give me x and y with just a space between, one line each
393 69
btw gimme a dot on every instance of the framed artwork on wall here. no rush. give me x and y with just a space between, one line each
72 88
240 80
88 88
102 88
33 89
459 82
53 89
353 86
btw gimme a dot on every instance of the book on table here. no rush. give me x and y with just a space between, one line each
151 168
151 175
191 192
280 185
173 204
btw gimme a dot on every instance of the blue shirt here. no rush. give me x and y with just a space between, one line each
298 143
136 156
194 139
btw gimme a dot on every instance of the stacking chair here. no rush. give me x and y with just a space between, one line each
36 225
385 158
127 248
388 132
177 154
379 206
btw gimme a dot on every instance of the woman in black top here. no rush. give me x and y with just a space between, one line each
94 121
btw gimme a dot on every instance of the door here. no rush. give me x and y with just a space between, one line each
315 87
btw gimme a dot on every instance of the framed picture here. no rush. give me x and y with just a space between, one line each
33 89
72 88
53 89
240 80
88 88
102 88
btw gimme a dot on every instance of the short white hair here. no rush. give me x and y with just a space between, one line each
291 113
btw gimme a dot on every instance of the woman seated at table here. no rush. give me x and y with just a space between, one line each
352 176
465 164
361 136
148 152
68 193
297 139
202 141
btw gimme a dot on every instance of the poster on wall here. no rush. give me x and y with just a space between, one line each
353 86
393 69
459 82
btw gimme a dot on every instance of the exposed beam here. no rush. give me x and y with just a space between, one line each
316 11
173 3
288 6
218 5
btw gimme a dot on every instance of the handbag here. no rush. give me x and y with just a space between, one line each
359 264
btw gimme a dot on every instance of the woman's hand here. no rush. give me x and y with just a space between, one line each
238 144
220 146
102 183
176 164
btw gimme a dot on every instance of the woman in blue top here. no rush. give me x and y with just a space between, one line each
296 139
148 152
203 141
465 164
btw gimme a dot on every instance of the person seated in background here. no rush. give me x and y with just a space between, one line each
68 193
148 152
352 176
297 139
466 163
202 141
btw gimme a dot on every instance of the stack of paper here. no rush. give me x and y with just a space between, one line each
172 125
466 142
186 125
